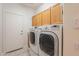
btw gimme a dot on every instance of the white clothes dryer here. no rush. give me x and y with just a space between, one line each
33 42
51 40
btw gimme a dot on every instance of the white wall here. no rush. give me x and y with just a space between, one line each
0 28
22 10
44 7
71 34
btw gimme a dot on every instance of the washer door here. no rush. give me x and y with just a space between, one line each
32 37
47 43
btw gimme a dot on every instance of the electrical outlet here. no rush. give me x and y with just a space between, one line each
76 23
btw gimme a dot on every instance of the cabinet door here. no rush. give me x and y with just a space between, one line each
38 19
56 14
46 17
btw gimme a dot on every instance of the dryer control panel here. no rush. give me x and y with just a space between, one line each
54 27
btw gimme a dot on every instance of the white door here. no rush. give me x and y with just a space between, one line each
13 31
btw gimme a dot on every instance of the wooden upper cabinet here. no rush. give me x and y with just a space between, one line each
46 17
52 15
36 20
56 14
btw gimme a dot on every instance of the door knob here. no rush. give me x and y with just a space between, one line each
21 30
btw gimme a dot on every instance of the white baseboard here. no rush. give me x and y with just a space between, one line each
15 53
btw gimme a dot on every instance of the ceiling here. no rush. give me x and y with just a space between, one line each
33 5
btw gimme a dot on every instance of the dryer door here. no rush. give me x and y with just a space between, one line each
49 43
32 37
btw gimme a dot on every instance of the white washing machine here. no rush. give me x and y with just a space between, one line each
33 42
51 41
